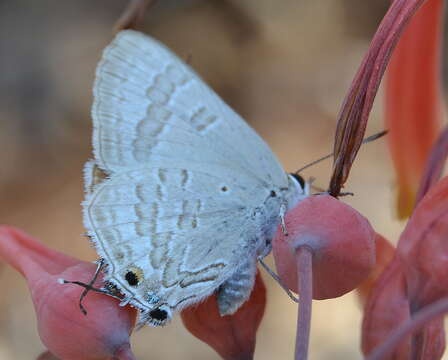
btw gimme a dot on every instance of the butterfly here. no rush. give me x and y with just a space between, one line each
182 196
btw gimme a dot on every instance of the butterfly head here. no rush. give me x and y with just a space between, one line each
300 180
299 189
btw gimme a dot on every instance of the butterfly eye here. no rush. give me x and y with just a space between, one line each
134 276
158 314
299 179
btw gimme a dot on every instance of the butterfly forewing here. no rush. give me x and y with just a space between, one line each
149 104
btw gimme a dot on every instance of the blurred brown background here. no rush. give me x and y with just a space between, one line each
284 65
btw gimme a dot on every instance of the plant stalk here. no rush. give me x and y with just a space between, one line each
418 320
305 288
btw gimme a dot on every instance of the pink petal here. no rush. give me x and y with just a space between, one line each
232 336
384 254
355 110
414 99
423 247
386 308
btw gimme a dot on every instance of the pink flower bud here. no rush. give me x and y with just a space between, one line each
69 334
341 240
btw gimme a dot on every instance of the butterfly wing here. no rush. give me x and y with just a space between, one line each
151 108
175 217
175 230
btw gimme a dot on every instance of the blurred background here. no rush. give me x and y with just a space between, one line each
283 65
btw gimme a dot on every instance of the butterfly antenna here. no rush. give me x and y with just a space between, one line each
278 280
365 141
313 163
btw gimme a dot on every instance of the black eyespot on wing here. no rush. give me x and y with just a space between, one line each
131 278
134 275
158 314
224 189
300 180
273 193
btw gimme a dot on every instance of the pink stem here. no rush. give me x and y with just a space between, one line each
305 288
435 165
418 320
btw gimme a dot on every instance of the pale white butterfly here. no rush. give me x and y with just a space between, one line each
182 195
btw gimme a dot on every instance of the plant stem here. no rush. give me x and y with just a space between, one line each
305 287
435 165
414 324
133 15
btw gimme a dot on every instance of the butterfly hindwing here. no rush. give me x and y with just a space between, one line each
179 228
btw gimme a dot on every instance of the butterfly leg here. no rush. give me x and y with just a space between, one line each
236 290
278 280
89 287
